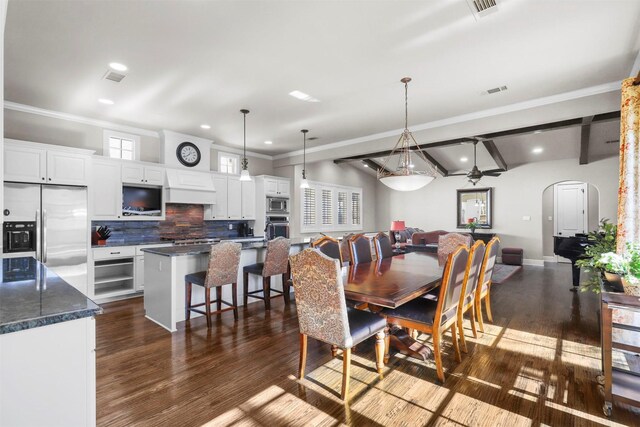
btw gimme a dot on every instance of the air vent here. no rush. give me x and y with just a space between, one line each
113 76
481 8
497 89
613 141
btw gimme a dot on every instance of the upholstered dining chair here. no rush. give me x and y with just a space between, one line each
435 317
328 246
483 292
224 260
382 246
468 295
449 242
323 314
344 248
276 263
360 249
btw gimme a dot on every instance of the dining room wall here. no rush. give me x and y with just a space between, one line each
518 194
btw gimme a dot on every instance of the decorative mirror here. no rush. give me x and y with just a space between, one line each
475 205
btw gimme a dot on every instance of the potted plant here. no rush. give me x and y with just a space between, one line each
601 241
623 268
472 224
631 281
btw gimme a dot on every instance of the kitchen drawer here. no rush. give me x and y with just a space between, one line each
141 247
114 252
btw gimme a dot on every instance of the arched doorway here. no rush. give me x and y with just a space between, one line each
550 208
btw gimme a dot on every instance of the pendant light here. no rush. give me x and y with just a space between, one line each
403 174
244 173
304 183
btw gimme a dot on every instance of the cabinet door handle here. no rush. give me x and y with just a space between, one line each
114 253
43 178
49 179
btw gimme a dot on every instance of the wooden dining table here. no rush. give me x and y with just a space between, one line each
391 282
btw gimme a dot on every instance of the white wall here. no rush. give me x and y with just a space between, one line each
48 130
329 172
3 17
517 193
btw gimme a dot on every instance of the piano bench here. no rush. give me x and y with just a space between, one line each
512 256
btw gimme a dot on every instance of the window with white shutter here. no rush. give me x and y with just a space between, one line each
309 207
356 209
327 207
342 208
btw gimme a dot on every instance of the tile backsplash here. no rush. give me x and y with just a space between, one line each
182 221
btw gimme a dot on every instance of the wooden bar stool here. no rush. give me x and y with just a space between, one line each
276 262
224 261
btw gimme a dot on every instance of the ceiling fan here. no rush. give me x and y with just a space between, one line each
475 174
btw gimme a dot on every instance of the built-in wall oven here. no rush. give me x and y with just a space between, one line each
277 206
277 226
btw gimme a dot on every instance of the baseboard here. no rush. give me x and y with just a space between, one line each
536 262
549 259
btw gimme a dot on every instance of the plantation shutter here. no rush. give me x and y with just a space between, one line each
356 209
309 207
327 207
342 208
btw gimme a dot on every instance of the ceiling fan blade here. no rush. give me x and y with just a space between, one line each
457 174
491 173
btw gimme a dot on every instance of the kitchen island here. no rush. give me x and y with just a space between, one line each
165 268
47 348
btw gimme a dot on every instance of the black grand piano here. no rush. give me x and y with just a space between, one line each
572 248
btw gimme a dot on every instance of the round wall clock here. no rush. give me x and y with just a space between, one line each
188 154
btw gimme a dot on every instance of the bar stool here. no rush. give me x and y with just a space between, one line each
224 261
276 262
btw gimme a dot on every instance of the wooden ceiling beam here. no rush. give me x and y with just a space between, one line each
443 171
585 133
374 165
495 154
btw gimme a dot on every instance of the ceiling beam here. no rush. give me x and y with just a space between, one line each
375 166
585 133
495 154
385 153
434 162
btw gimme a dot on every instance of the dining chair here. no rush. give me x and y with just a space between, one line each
328 246
224 260
324 315
483 291
468 295
276 263
435 317
360 249
344 248
382 246
449 242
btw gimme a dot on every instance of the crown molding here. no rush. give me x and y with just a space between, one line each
111 126
519 106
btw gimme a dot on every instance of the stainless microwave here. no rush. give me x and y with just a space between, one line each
277 205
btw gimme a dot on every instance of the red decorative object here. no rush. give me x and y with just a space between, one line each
397 226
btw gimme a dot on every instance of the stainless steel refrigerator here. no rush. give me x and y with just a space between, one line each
61 236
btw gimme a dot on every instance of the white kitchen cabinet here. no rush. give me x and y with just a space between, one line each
66 168
135 173
274 187
106 190
219 210
234 198
249 199
25 164
37 163
139 273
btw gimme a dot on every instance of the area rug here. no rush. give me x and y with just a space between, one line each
501 272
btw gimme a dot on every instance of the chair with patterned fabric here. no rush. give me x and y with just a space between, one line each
449 242
323 314
224 260
382 246
435 317
468 295
328 246
276 263
360 249
344 248
483 291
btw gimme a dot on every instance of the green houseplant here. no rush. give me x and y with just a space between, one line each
624 267
601 241
472 225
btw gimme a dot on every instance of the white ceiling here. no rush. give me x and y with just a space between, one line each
202 61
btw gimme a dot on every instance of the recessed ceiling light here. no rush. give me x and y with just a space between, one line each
366 165
105 101
537 150
117 66
205 126
464 159
537 131
268 142
303 96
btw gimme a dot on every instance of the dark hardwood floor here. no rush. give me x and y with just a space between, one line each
535 365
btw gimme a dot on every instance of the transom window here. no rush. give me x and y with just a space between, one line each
121 146
228 163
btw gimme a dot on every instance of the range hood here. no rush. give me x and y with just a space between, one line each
190 187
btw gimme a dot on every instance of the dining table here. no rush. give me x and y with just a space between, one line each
391 282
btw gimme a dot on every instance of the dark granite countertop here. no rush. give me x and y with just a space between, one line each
205 249
31 296
157 241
